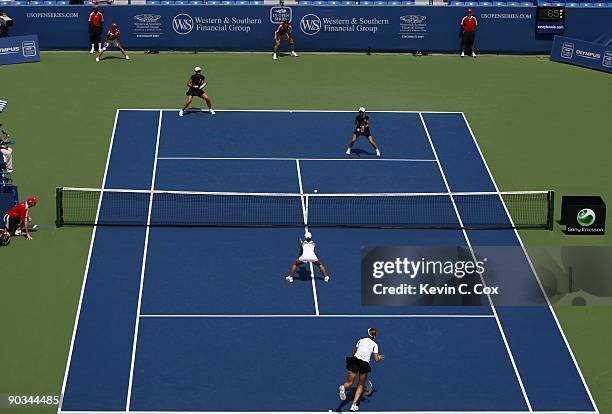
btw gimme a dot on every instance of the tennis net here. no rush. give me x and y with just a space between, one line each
477 210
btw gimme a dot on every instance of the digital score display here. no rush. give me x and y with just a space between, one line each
550 20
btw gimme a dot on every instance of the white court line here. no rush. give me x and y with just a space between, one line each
299 111
416 315
91 244
294 159
305 213
332 410
467 239
144 266
532 266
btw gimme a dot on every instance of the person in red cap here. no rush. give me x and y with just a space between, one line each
96 20
18 218
468 32
112 37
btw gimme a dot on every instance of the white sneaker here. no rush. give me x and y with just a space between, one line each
180 112
91 52
289 279
473 54
326 278
294 54
342 393
354 408
19 233
97 58
211 112
377 152
462 54
348 151
127 57
274 56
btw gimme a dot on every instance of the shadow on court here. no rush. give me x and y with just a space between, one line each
363 400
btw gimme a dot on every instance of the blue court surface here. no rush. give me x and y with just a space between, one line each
201 319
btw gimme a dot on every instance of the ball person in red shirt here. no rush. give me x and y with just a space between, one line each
283 31
112 37
96 20
18 217
468 32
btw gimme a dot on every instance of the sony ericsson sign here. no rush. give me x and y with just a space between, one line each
583 215
424 276
184 24
19 49
311 24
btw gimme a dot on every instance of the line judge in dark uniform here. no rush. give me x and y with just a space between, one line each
196 84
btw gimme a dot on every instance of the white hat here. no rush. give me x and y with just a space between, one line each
308 235
198 69
362 109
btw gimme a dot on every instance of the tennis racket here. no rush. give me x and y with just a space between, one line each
202 85
368 388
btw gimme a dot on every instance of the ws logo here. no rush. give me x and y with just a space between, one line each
310 24
182 24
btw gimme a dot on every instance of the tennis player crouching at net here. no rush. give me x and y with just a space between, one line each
308 254
359 363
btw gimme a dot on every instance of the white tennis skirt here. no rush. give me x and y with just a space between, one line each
308 258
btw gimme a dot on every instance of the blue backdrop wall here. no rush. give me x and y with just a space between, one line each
323 28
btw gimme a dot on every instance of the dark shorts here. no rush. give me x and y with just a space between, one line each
279 37
366 132
468 38
11 224
356 365
195 92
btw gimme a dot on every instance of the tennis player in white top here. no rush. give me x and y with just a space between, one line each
359 363
308 254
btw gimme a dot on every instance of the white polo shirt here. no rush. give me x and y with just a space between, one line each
365 348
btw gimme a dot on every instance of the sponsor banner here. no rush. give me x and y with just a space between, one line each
550 28
448 276
578 52
19 49
251 28
583 215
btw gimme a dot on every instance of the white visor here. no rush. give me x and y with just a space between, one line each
308 235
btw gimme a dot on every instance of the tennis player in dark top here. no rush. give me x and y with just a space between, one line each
196 83
362 127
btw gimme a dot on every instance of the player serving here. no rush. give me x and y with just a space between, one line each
362 127
308 254
112 38
283 31
196 83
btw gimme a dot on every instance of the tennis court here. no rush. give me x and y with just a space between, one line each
197 319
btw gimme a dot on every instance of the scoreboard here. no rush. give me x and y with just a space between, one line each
550 20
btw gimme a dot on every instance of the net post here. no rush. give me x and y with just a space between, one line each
551 210
59 216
